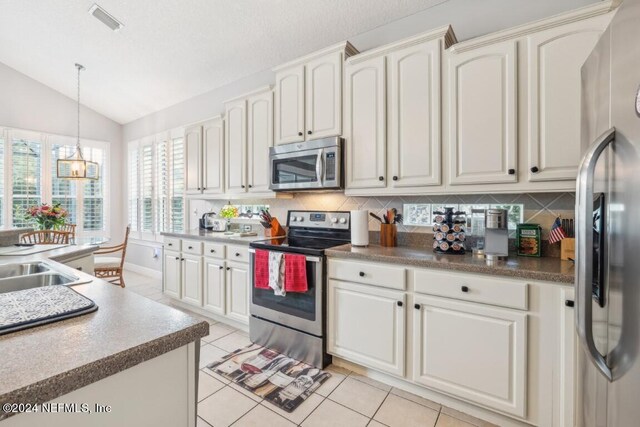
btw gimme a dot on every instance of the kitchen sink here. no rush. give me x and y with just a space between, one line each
21 276
12 270
20 283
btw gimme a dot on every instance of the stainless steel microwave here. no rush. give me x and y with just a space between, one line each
310 165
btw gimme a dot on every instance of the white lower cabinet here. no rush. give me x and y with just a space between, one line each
171 277
214 285
366 325
192 279
472 351
238 291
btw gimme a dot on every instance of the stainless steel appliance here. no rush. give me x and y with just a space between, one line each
295 324
496 234
608 232
311 165
210 221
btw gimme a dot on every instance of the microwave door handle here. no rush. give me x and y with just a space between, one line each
320 168
584 256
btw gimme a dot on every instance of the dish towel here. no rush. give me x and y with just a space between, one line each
276 273
295 278
261 270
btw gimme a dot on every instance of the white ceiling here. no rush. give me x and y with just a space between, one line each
172 50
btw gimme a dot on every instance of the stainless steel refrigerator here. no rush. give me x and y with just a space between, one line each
608 238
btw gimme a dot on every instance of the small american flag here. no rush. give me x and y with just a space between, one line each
557 233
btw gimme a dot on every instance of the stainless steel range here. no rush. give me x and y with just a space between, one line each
295 324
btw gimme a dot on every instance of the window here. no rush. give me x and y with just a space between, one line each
28 160
156 185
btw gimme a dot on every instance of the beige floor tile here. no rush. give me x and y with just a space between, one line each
301 412
399 412
358 396
207 385
417 399
217 331
445 420
330 414
370 381
337 376
224 407
232 342
262 417
374 423
209 354
202 423
467 418
246 392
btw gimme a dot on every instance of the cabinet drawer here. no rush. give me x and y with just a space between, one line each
238 253
371 274
172 244
192 247
486 290
214 250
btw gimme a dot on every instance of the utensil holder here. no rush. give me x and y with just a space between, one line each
276 229
388 235
568 248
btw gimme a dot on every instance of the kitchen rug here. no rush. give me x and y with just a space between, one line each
280 380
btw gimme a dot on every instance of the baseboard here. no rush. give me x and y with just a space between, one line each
146 271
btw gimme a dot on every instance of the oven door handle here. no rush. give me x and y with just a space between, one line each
320 167
308 258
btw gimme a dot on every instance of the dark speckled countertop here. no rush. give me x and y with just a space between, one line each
543 269
45 362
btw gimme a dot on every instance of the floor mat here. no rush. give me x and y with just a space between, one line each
280 380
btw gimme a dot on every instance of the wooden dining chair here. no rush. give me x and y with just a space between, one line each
71 229
45 237
110 268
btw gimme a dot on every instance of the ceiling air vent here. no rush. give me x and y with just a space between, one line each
104 17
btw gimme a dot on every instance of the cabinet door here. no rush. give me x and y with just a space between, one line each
323 96
192 279
193 160
214 286
414 115
213 158
171 274
555 60
569 348
366 325
290 105
236 146
365 124
238 292
471 351
260 139
482 115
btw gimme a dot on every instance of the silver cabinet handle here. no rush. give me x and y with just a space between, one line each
584 255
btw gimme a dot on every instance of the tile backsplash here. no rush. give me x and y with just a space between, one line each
539 208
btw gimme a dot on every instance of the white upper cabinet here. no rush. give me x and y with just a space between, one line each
554 86
483 118
236 146
193 159
260 139
290 105
308 95
365 124
323 82
414 115
213 156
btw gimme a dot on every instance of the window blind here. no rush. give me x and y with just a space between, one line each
26 162
134 186
177 185
146 187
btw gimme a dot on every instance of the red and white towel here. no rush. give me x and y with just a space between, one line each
295 276
281 272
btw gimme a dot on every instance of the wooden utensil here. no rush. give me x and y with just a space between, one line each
375 216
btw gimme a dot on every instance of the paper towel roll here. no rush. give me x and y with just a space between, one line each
360 228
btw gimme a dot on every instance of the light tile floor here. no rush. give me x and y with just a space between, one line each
346 399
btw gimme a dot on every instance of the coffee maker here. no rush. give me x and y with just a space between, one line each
496 234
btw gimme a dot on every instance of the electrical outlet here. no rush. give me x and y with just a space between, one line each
156 252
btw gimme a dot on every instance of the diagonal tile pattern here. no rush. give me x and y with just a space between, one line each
346 399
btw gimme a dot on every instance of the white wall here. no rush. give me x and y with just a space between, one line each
30 105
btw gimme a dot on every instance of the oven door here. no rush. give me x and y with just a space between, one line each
301 170
301 311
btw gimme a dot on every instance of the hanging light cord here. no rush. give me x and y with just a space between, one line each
78 149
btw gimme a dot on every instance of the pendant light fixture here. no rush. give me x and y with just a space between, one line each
75 166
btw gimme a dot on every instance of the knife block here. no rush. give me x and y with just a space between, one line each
388 235
568 248
276 229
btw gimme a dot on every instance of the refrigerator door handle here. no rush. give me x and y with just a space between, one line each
584 256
